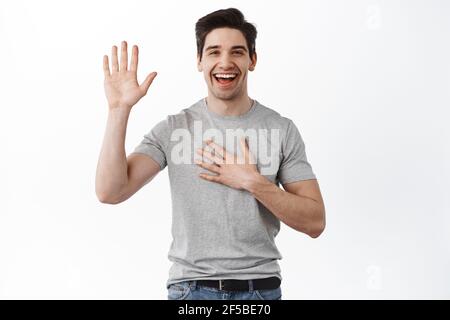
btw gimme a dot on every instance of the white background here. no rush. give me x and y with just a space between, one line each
366 82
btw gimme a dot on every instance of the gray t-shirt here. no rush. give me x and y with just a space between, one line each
220 232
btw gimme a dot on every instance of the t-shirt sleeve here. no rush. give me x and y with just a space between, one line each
294 164
155 142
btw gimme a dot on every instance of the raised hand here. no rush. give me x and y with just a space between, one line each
121 86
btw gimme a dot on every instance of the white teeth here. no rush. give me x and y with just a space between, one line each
225 75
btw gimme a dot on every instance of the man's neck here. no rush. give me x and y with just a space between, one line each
233 107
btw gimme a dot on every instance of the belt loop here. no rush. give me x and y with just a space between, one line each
250 285
193 284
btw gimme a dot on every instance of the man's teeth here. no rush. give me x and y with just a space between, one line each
225 75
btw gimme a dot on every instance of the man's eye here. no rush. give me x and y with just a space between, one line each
238 52
213 52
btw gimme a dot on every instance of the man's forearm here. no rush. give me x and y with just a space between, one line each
112 165
300 213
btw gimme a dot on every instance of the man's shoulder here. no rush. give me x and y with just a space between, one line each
271 115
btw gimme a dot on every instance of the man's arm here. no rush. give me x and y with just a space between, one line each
117 178
301 206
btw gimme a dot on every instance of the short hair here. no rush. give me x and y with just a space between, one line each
225 18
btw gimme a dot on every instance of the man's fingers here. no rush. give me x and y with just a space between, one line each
115 64
208 166
248 157
124 57
210 156
219 149
106 66
147 82
210 177
134 58
244 149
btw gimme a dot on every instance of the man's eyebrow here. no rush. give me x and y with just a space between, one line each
239 47
212 47
232 48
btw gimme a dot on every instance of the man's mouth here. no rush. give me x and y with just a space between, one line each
225 79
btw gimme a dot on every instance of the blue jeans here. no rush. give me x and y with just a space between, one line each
189 290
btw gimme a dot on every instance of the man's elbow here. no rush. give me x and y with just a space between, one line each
107 199
316 233
318 227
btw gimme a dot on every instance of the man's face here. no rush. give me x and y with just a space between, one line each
225 63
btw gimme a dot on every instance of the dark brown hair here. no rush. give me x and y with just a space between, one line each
225 18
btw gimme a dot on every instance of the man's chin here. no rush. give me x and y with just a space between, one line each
219 94
225 96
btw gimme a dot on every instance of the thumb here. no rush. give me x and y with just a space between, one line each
147 82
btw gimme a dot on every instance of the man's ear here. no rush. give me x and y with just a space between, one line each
253 64
199 64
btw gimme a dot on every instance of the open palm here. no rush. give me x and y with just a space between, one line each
121 86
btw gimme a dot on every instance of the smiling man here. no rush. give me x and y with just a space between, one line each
227 155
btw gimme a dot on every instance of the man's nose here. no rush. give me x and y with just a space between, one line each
226 61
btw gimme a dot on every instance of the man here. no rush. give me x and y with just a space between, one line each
227 203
